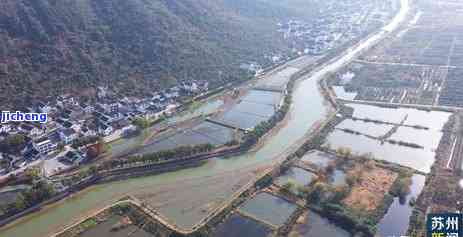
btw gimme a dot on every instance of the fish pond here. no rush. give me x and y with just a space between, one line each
204 108
369 128
108 229
298 176
396 220
337 178
269 208
318 158
341 93
257 106
315 225
238 225
203 133
418 158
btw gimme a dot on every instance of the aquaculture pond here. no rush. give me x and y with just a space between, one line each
257 106
269 208
204 108
337 178
318 158
277 80
296 175
204 133
396 220
315 225
433 120
237 225
369 128
420 159
429 139
263 97
341 93
107 229
308 108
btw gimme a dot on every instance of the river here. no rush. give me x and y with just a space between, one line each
307 109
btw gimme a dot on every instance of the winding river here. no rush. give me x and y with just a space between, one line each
308 108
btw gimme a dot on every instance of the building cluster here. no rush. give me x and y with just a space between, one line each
70 121
337 23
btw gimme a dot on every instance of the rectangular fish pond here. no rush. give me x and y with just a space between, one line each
397 217
114 226
419 159
297 176
203 133
312 224
238 225
319 159
257 106
269 209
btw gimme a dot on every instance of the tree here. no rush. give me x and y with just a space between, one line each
141 123
344 152
20 203
13 143
303 191
317 193
33 173
287 187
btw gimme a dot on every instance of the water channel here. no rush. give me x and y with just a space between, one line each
307 109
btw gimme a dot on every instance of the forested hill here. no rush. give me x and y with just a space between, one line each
48 47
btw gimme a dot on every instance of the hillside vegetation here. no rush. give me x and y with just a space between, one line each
50 47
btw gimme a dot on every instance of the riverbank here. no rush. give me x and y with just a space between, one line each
294 131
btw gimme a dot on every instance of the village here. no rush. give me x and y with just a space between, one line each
266 157
72 126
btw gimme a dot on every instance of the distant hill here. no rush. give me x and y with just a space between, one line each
48 47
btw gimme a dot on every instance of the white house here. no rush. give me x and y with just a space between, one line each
105 129
45 146
5 128
87 132
31 130
68 135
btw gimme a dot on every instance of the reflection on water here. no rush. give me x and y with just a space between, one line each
420 159
238 225
203 133
301 119
255 107
206 108
297 175
307 109
267 207
343 94
104 229
396 220
372 129
433 120
315 225
337 178
318 158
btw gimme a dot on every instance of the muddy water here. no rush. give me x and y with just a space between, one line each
269 208
307 109
237 225
207 107
297 176
420 159
396 220
315 225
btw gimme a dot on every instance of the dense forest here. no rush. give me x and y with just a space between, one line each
50 47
